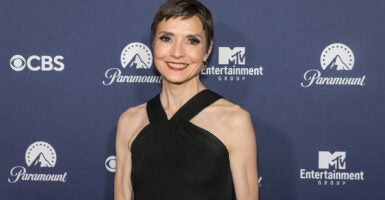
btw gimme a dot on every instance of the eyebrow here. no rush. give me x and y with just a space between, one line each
170 33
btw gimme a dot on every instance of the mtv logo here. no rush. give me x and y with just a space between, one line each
235 55
336 160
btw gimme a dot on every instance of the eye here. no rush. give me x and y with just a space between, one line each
194 41
165 38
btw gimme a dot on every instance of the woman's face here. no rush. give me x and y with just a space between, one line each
180 49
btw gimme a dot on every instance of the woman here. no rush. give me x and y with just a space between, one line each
187 142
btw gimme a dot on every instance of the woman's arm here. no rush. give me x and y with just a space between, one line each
130 123
243 156
122 185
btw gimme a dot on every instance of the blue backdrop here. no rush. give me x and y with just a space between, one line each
311 73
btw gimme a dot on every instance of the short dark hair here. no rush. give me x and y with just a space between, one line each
185 9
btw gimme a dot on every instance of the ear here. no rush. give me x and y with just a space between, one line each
208 52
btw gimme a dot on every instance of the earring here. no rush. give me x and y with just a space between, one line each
204 64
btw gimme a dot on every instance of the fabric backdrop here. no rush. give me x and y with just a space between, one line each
311 74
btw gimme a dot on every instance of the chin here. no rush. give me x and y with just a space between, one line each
177 81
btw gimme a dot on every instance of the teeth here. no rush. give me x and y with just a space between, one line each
175 65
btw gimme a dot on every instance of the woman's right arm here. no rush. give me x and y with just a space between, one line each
130 123
122 185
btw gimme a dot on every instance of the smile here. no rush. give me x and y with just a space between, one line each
176 66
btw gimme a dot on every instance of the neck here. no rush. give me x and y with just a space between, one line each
174 96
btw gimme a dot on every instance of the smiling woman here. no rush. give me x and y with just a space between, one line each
180 49
187 142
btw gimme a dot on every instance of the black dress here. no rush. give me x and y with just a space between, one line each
173 159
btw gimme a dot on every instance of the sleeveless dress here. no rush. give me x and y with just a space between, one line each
173 159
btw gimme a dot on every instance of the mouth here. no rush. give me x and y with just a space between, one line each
176 66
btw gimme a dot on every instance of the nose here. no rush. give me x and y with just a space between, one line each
177 50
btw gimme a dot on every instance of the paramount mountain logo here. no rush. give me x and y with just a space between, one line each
335 57
137 63
134 56
232 65
331 170
41 161
338 63
38 155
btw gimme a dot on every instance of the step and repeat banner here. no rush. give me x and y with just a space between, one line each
311 74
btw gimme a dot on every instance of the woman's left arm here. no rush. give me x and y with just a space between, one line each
243 156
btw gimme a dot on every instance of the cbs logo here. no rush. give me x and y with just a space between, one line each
110 164
37 63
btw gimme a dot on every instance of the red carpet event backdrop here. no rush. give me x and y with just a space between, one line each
311 74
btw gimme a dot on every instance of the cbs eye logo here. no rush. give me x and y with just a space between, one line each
37 63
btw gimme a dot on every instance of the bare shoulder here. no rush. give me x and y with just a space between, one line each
230 114
235 124
230 123
133 113
131 122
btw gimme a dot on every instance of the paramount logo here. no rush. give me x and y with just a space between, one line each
115 75
38 155
20 173
135 57
335 57
314 77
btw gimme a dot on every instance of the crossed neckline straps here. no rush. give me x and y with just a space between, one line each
191 108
